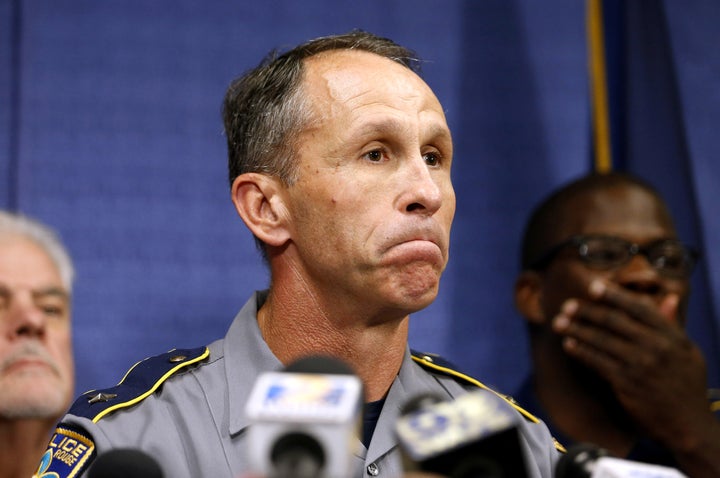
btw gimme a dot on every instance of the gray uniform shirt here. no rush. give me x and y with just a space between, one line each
195 424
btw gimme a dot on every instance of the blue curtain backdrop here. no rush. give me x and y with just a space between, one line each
110 131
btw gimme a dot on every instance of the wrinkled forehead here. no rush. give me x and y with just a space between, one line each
348 77
25 261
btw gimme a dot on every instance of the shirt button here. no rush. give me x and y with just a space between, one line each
373 469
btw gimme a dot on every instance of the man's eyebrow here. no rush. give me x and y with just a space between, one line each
381 127
438 130
51 291
391 126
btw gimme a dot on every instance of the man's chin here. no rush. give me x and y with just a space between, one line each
414 301
419 280
33 399
52 409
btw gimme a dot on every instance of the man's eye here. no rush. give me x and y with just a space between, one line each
671 260
375 155
606 255
52 310
431 159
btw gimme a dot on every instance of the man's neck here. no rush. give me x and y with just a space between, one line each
579 410
373 348
22 443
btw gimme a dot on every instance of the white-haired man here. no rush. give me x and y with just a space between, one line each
36 358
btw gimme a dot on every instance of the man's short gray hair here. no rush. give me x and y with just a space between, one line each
12 224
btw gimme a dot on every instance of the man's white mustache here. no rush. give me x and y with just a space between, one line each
32 351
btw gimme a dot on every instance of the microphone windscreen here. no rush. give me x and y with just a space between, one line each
320 364
474 435
420 402
125 463
579 461
305 419
590 461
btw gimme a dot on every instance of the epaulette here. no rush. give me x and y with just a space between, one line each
714 398
438 364
141 381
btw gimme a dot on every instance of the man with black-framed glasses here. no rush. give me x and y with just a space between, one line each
604 288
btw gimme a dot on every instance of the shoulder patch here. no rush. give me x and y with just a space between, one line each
69 452
438 364
141 381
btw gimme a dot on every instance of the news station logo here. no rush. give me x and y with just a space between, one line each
304 397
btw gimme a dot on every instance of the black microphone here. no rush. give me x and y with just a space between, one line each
125 463
590 461
473 436
305 420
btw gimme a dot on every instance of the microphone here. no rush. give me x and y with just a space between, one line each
305 420
125 463
589 461
473 436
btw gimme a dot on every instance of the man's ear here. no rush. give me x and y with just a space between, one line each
528 296
260 201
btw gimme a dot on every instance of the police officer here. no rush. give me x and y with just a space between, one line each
339 159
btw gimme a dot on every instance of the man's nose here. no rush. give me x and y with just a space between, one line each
25 318
639 275
423 193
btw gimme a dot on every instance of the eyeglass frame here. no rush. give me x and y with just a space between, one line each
692 255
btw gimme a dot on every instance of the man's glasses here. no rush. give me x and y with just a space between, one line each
670 257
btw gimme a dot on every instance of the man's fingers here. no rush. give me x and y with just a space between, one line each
641 307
